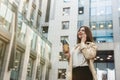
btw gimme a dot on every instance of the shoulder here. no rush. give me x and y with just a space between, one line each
92 44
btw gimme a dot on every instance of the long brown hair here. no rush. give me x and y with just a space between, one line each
88 33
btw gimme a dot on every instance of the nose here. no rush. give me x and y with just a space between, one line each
80 31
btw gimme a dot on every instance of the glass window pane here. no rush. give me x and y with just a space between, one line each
62 57
66 0
30 69
2 54
66 11
80 23
61 73
41 71
3 9
17 62
108 10
81 10
93 11
33 41
21 31
64 38
65 25
32 16
38 21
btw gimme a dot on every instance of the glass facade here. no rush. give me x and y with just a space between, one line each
27 40
101 20
80 23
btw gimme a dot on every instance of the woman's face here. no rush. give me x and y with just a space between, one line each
81 32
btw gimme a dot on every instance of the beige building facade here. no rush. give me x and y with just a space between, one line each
24 51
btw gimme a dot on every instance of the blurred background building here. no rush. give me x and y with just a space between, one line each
31 32
24 51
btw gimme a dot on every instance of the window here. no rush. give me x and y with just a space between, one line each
101 25
109 24
38 22
25 8
65 25
66 11
38 72
42 48
2 54
62 57
17 62
21 31
41 71
47 11
32 14
61 73
101 36
64 38
66 1
108 10
30 69
6 16
104 64
81 10
93 25
100 11
45 29
34 41
80 23
47 74
93 11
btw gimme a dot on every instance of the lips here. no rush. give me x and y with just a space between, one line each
79 35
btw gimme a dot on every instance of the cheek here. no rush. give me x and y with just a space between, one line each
79 36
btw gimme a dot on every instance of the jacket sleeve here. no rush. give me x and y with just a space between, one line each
88 50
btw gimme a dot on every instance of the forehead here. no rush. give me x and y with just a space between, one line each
82 28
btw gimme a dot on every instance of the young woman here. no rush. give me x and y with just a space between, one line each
82 56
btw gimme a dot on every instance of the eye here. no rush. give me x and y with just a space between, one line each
82 30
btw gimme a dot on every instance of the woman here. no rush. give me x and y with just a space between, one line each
82 56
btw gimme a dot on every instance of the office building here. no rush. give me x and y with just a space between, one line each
24 51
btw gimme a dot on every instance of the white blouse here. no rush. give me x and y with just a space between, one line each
78 58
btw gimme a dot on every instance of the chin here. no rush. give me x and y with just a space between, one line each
80 37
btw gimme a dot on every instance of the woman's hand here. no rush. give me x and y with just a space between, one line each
83 39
